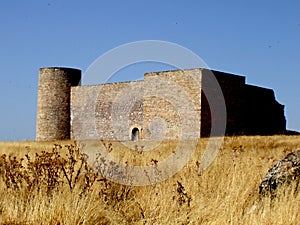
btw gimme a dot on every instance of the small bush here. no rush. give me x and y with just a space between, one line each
48 170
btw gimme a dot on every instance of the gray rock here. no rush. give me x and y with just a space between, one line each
285 171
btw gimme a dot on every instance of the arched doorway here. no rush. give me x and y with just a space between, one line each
135 134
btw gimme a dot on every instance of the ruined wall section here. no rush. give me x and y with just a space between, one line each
263 114
172 104
233 91
251 110
108 111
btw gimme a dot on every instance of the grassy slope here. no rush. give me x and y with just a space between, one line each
225 193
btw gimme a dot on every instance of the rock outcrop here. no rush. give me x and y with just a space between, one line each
286 171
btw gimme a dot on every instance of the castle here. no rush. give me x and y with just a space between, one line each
164 105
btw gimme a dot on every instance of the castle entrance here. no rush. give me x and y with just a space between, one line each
135 134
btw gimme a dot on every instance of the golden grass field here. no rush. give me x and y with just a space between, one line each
225 193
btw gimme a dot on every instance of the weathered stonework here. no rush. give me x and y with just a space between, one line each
165 105
99 111
172 96
53 110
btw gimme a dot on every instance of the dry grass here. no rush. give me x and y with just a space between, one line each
225 193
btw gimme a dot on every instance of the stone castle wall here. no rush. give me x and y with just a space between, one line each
232 87
263 114
159 107
169 105
108 111
172 104
53 109
251 110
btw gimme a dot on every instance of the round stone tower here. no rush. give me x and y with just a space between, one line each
53 109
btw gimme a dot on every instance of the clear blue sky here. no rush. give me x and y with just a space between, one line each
257 38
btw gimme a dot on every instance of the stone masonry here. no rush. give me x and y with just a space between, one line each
165 105
53 110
